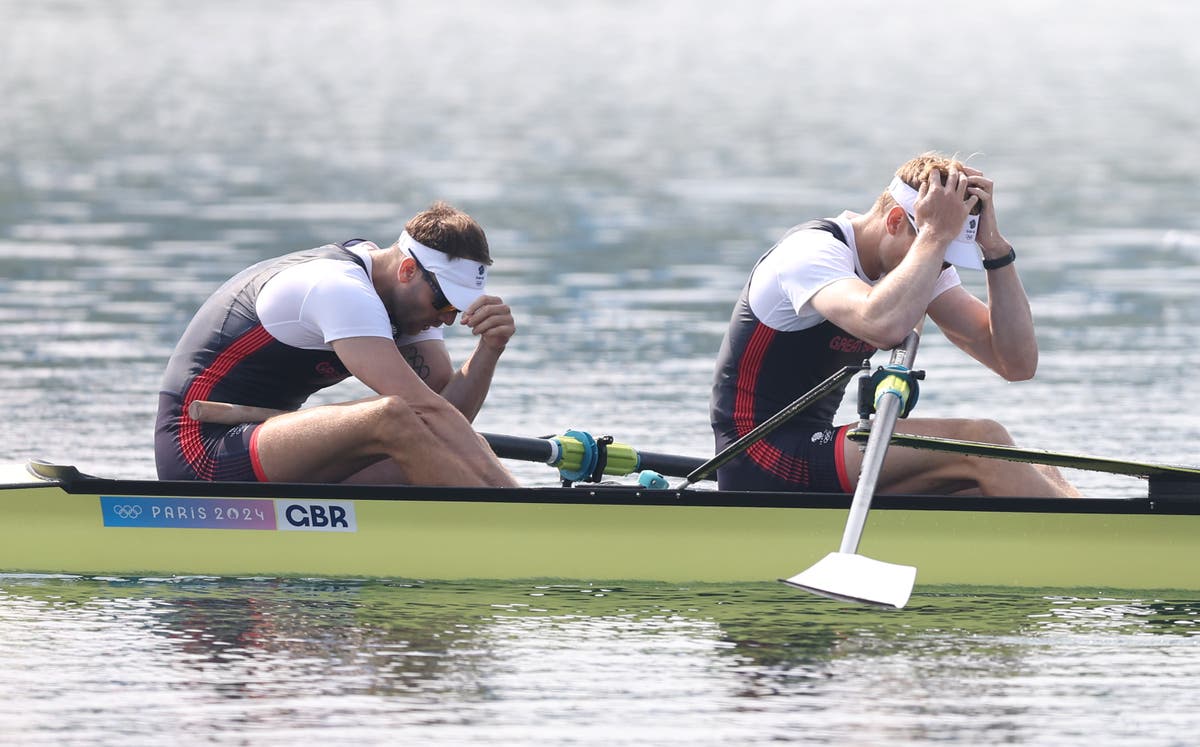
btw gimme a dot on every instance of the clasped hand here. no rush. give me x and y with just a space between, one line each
492 320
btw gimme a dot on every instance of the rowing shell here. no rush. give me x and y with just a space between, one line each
56 520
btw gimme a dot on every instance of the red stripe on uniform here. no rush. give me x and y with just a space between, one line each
766 456
747 377
255 462
840 457
202 386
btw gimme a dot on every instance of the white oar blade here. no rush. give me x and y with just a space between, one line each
850 577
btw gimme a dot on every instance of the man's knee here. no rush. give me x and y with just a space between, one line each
392 408
395 418
395 413
987 431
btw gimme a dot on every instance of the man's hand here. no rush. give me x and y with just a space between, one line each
994 245
943 204
491 319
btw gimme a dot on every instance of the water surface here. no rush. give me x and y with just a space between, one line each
485 663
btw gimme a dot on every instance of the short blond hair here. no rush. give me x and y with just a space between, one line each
916 171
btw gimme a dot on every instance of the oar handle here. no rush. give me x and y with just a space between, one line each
227 413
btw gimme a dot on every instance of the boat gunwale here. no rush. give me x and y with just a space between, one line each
1183 503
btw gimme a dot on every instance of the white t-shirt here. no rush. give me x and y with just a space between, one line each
783 283
311 304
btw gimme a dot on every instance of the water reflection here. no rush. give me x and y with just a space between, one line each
219 620
416 654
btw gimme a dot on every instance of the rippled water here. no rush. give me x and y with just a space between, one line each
272 662
629 160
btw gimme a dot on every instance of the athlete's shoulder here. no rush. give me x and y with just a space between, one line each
327 273
319 289
825 233
805 249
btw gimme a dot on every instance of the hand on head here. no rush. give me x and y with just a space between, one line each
983 188
944 202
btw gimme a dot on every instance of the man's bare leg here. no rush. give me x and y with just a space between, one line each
332 443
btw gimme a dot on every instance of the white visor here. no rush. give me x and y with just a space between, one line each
963 251
460 279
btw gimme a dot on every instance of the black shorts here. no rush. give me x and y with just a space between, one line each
185 449
790 459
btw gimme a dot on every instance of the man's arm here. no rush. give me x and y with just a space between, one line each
1000 333
884 313
491 320
377 363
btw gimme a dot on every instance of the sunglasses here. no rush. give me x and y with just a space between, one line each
440 302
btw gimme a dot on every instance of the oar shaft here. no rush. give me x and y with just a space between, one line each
886 413
548 451
1037 456
672 465
524 449
885 420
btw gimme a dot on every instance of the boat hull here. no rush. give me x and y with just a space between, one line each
89 527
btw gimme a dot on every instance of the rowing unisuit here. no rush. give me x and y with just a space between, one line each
777 348
263 348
